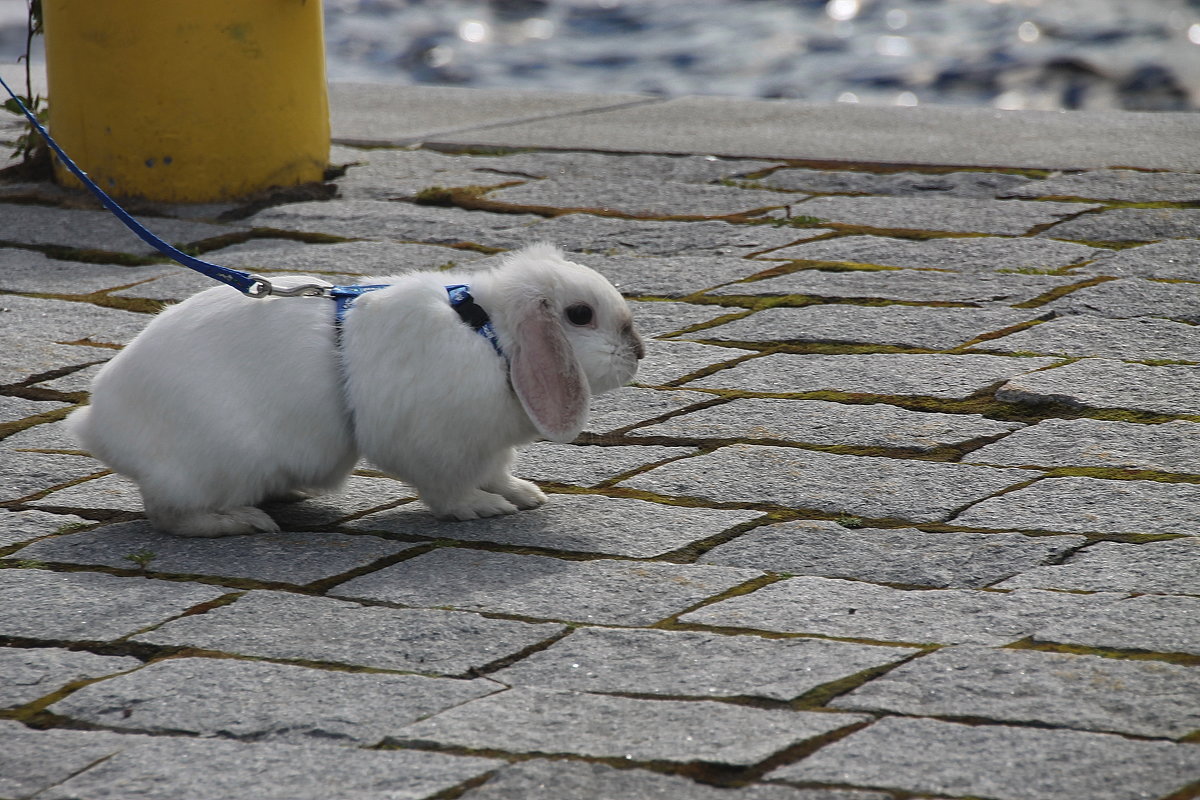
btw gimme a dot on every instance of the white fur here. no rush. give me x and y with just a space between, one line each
224 402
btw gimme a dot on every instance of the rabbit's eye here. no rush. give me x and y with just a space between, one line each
579 314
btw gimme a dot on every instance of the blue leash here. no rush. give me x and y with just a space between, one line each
246 283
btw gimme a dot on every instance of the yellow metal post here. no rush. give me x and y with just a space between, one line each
188 100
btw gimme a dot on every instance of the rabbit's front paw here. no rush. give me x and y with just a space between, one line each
473 505
521 493
208 524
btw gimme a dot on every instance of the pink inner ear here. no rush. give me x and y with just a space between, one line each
546 376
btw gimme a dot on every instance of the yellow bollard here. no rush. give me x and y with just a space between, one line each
188 101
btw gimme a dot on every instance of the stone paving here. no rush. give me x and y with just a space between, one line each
905 503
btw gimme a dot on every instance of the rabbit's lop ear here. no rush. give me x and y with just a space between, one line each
546 375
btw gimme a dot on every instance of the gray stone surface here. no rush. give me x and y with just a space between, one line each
297 558
672 360
867 486
1105 383
641 197
1129 225
96 230
170 768
825 423
631 404
680 169
832 607
904 326
108 492
88 606
908 285
36 672
1174 259
17 408
600 592
1169 447
1137 339
80 376
659 318
671 276
258 701
544 721
343 258
967 254
1134 297
296 627
1163 567
946 214
608 236
1091 505
901 555
1001 762
582 523
1158 623
1115 184
359 494
33 272
587 465
21 526
32 761
48 436
542 779
896 184
63 331
923 375
404 222
684 664
1143 698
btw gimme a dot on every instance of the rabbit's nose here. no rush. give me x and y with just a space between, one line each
635 341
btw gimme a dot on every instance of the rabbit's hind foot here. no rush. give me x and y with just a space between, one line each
209 524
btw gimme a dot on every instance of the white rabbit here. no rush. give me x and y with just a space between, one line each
226 401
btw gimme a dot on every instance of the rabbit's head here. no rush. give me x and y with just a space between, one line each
567 332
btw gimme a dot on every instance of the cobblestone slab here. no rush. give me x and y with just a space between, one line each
27 358
573 780
81 377
21 526
376 219
909 285
543 721
1144 698
1104 383
297 627
895 184
923 375
30 271
32 761
903 555
1148 622
670 360
171 768
1167 567
23 474
1115 184
588 233
359 494
833 607
680 169
1170 447
584 465
361 258
582 523
63 321
390 174
660 318
950 214
96 230
968 254
265 702
1138 339
1175 260
821 422
904 326
600 592
46 436
687 664
636 197
17 408
1134 297
917 491
673 276
1091 505
995 761
33 673
108 492
88 606
631 404
297 558
1129 225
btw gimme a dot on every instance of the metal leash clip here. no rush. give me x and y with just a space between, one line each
261 287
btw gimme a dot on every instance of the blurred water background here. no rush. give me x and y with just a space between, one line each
1141 55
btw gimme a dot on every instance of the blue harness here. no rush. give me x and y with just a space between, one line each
248 284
